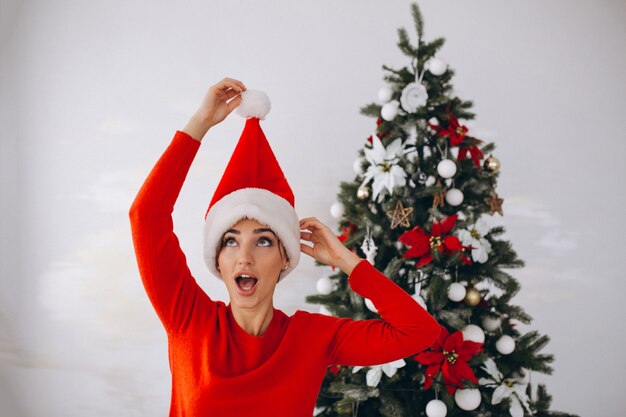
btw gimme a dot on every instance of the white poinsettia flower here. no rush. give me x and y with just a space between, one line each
506 388
318 410
384 168
414 95
475 236
376 372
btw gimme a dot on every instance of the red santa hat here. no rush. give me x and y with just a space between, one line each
253 186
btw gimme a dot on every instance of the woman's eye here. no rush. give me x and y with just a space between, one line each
263 241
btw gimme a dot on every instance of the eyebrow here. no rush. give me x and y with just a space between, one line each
237 232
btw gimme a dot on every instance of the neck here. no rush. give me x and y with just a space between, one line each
253 321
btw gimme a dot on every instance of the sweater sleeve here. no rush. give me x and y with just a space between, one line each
166 277
404 328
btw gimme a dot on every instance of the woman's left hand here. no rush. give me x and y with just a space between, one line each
327 248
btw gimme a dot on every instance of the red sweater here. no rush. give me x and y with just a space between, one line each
217 368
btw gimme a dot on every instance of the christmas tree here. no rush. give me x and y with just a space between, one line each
419 210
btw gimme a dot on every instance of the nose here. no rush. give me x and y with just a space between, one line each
245 256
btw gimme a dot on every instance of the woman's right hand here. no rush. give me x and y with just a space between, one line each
327 248
215 106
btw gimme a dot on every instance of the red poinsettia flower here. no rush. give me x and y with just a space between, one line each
475 153
458 134
454 130
449 354
380 136
473 150
346 231
421 243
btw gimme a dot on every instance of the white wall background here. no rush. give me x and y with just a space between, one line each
92 93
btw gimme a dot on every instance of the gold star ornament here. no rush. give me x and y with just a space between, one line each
495 203
400 215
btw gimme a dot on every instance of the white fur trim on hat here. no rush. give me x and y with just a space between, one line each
254 103
255 203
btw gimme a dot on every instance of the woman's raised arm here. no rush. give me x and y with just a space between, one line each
168 282
405 328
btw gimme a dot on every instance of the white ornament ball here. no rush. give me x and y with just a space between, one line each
390 110
370 305
505 344
336 210
358 166
456 292
467 399
430 181
454 196
446 168
473 333
436 66
324 285
491 324
436 408
385 94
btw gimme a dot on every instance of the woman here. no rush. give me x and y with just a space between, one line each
248 358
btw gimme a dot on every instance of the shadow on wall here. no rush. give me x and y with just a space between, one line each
8 406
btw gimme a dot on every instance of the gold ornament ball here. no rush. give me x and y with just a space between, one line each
472 297
492 164
344 407
363 193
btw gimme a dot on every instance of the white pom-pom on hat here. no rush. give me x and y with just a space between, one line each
254 103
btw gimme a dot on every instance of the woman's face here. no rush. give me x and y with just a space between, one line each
250 248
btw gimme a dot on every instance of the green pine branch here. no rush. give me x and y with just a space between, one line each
418 19
543 402
405 44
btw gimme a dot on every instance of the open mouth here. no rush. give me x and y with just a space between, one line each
246 282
